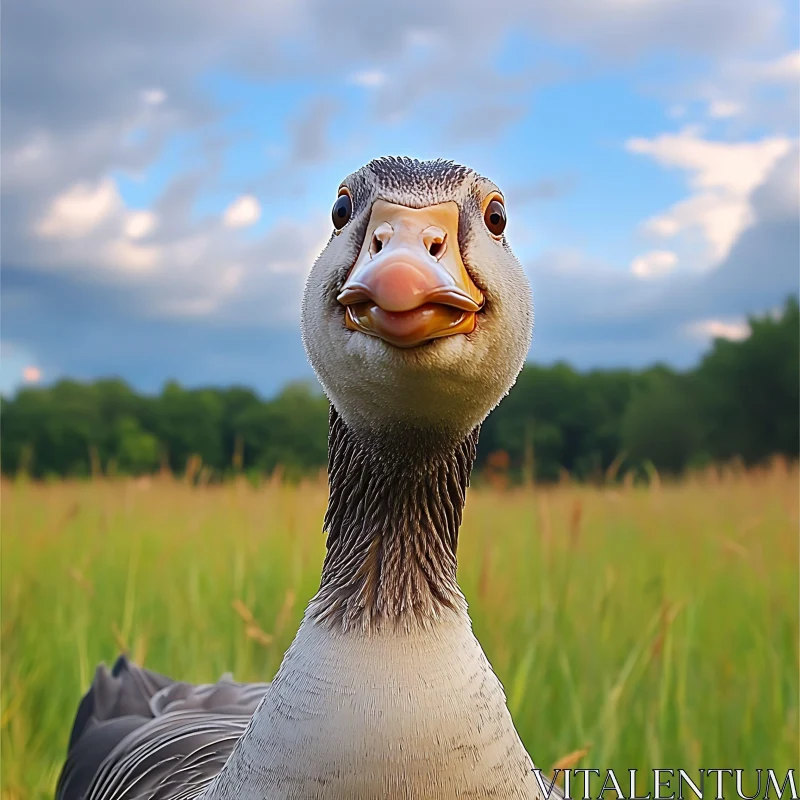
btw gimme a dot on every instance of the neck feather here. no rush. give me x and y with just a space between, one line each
394 510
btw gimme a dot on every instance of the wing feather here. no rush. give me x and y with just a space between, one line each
139 735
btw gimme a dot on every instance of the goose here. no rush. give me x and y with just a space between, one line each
417 319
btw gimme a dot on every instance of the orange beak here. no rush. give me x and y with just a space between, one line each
409 284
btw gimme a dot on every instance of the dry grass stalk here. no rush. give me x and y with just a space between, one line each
164 472
71 513
122 645
652 475
238 452
669 612
94 462
575 522
496 470
570 760
276 477
252 629
81 580
140 650
486 570
193 466
285 612
613 467
258 635
243 611
734 547
544 521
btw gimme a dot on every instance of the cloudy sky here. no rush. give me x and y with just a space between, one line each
168 168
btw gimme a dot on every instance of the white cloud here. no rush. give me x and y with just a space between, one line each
207 297
654 264
780 70
189 306
623 27
168 263
243 211
761 95
369 79
723 109
676 111
79 210
31 151
139 223
719 329
28 165
120 254
724 174
231 277
154 97
719 217
94 229
737 167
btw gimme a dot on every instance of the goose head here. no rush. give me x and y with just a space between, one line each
417 314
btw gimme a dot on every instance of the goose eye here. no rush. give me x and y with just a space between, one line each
495 217
342 210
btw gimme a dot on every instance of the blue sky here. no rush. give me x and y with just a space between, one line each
168 170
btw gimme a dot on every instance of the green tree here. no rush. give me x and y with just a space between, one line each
291 430
571 419
749 390
189 422
661 424
137 451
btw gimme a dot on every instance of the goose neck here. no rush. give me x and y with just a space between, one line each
394 510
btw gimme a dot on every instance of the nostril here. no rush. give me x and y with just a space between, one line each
435 240
436 247
380 238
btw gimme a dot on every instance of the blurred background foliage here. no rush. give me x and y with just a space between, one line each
741 401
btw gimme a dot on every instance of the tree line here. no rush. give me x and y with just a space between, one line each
740 401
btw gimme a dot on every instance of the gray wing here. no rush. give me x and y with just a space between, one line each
138 734
173 757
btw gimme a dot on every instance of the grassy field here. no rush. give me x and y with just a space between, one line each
656 627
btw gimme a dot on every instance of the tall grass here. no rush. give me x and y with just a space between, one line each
654 627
